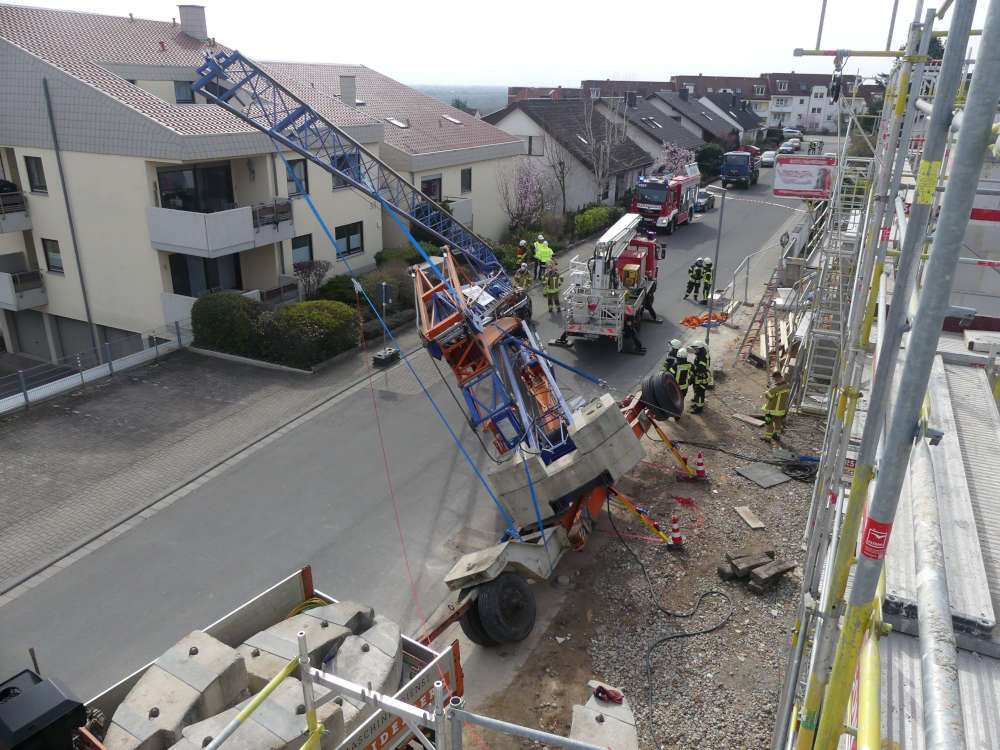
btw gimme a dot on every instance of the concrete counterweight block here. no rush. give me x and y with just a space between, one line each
267 652
374 658
193 680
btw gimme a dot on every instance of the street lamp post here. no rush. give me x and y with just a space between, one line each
715 266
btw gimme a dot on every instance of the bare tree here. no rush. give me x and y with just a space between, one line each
311 274
601 136
522 193
559 165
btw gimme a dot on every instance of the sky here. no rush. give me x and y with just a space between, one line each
539 43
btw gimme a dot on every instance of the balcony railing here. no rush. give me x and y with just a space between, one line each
212 235
22 290
13 212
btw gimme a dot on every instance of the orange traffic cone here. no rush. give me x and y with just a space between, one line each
676 538
699 467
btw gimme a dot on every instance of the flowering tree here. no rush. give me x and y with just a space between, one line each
672 159
311 274
522 193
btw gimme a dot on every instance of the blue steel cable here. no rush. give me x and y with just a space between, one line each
581 373
357 286
534 501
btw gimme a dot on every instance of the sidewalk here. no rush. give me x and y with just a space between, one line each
77 465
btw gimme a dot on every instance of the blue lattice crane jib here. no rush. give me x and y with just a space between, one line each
240 86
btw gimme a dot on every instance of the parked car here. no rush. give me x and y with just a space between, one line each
704 202
786 148
767 158
796 143
791 133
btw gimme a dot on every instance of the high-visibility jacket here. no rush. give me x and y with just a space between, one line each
704 356
523 279
776 398
702 376
682 374
694 272
707 274
543 252
551 282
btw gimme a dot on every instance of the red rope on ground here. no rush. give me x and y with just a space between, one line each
392 495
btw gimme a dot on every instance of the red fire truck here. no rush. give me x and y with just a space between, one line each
665 202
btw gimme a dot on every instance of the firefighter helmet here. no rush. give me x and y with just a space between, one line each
697 345
524 266
682 353
675 343
541 238
523 243
708 261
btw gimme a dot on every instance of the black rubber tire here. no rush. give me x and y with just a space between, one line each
649 398
668 395
506 608
472 626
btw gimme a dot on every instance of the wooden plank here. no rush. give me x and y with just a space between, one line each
747 419
771 572
750 552
743 565
749 516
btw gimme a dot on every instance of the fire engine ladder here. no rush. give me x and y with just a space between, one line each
761 322
832 298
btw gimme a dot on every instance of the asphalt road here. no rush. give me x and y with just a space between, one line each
318 495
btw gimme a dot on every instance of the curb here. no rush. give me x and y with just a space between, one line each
264 365
51 565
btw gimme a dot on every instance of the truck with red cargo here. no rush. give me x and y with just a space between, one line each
666 202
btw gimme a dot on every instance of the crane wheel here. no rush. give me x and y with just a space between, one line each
662 396
506 608
472 626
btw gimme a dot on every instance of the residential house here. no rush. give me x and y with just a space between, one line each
154 197
802 100
611 89
516 93
755 91
695 117
648 127
749 126
566 135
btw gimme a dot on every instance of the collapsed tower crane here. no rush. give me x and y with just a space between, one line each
569 458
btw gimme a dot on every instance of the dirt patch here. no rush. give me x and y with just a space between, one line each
709 691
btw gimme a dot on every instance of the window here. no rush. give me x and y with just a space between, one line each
467 180
344 163
739 90
802 101
829 117
782 85
536 145
758 91
183 93
302 248
816 110
298 167
204 188
194 277
350 238
710 90
605 191
819 94
53 258
595 93
431 187
36 175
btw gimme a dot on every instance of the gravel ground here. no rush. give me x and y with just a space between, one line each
717 690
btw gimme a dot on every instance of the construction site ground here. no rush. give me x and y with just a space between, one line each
718 690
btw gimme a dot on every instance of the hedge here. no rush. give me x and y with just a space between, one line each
225 322
302 334
408 255
595 219
338 288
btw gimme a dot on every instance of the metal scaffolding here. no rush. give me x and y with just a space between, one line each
835 649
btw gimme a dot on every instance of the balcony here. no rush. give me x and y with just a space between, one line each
13 213
212 235
22 290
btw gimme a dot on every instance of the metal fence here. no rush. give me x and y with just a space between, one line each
28 386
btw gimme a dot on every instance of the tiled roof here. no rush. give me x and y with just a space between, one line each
655 124
428 129
565 120
733 106
516 93
697 113
79 44
609 87
799 84
742 85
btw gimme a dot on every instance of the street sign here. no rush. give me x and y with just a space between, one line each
804 176
385 293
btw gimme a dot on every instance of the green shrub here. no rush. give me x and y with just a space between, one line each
302 334
338 288
396 274
710 159
224 321
595 219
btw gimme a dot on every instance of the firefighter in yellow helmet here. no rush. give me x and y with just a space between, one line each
776 407
551 284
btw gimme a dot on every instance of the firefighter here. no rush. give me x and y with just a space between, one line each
682 373
539 262
694 278
707 277
523 276
551 283
671 360
631 331
522 251
700 379
775 407
702 354
647 303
